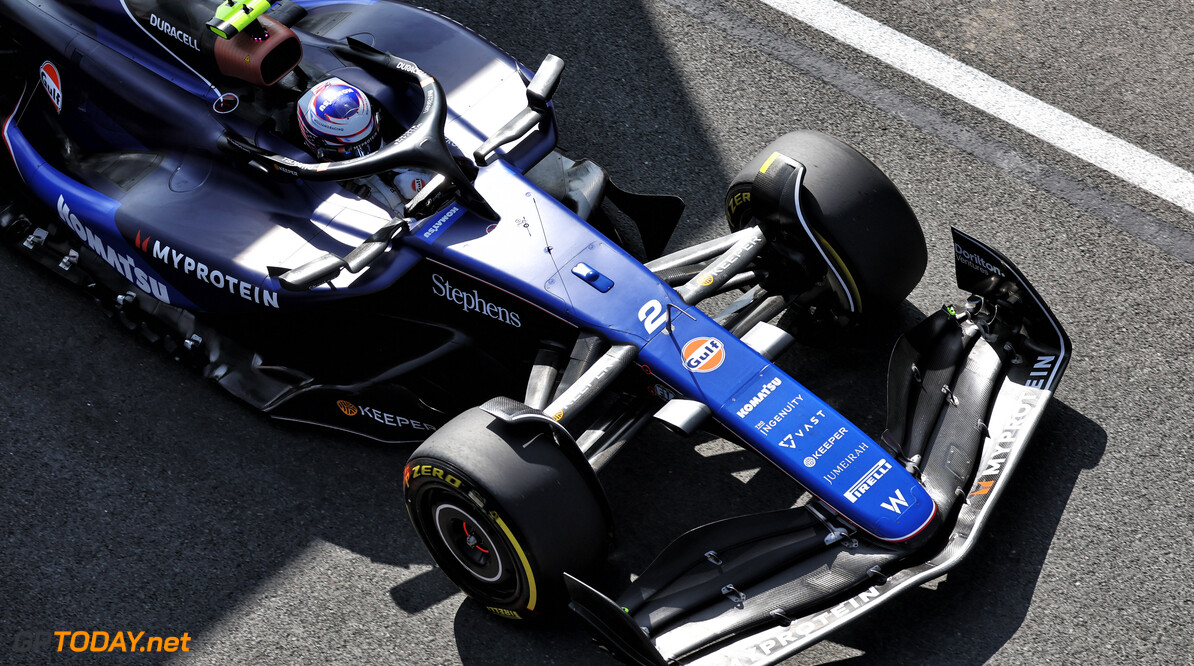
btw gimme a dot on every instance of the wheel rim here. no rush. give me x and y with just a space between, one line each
469 547
469 542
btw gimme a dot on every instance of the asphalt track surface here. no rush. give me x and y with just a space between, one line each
134 495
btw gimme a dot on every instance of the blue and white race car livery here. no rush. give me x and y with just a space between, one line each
352 213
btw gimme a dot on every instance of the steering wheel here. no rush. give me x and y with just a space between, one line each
422 145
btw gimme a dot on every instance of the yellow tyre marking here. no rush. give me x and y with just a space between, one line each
850 284
526 565
767 164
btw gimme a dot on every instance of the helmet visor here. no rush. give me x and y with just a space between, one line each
334 152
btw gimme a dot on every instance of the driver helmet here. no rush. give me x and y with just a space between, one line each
337 121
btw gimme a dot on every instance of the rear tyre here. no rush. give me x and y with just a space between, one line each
866 251
505 513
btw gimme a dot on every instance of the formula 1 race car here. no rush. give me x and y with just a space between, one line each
513 308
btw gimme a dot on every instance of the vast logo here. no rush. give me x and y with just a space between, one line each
868 481
471 301
703 354
202 272
123 263
52 82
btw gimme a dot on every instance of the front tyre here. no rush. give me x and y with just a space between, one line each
504 513
854 235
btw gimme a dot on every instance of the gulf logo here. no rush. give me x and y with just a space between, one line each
703 354
52 82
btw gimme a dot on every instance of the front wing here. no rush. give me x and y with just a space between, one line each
760 588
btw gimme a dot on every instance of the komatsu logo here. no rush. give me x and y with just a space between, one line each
759 397
174 33
123 263
439 224
976 261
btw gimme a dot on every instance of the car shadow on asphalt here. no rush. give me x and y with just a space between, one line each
985 599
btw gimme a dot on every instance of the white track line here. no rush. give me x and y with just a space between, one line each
1081 139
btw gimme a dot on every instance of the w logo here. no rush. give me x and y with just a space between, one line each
894 503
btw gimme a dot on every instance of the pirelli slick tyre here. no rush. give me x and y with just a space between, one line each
504 513
866 244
